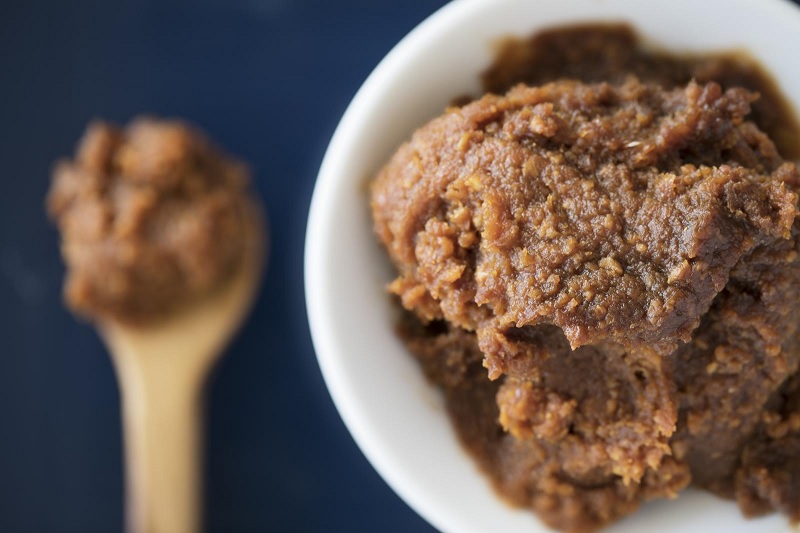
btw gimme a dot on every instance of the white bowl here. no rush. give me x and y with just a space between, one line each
395 416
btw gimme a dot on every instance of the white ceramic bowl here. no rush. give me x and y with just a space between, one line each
395 416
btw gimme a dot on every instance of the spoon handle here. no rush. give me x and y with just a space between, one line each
161 369
162 434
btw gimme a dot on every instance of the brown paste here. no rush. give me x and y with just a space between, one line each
151 216
616 243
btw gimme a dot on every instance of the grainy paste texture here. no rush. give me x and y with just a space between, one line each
151 216
600 269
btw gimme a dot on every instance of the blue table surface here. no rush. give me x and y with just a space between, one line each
269 80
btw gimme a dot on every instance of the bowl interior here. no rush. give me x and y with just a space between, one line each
395 416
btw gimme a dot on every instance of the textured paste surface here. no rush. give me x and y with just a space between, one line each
622 258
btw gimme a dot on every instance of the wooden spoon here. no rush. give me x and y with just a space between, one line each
161 369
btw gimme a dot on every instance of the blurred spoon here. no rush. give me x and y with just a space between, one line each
161 369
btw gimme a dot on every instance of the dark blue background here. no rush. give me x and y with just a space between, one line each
268 79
